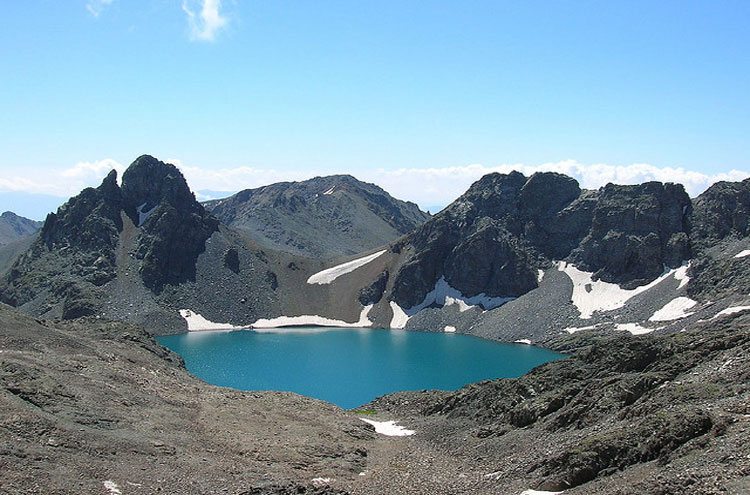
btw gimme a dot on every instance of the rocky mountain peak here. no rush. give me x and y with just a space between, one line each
148 182
324 217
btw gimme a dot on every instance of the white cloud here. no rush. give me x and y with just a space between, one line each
440 186
96 7
64 183
428 187
204 25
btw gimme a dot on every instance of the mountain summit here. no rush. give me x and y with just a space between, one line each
324 217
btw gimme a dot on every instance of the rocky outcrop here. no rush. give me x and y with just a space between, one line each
636 231
78 243
174 226
325 217
494 238
719 231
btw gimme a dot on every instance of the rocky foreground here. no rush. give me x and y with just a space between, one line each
99 407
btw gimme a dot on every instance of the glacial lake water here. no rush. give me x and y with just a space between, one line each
349 367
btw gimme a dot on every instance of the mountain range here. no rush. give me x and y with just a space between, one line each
645 288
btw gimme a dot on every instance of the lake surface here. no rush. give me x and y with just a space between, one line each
349 367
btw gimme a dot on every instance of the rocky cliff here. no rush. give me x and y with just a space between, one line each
495 238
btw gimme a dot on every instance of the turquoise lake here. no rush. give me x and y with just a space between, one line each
349 367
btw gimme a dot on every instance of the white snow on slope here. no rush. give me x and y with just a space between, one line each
112 488
320 482
681 275
674 310
389 428
523 341
330 274
579 329
590 296
449 329
399 316
743 253
196 322
445 295
730 311
330 191
539 275
538 492
143 215
314 320
634 328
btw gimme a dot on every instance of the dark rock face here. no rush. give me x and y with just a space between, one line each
232 260
723 210
495 237
324 217
79 242
635 231
83 235
177 226
719 222
373 293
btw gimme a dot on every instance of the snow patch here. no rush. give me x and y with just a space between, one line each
674 310
539 275
730 311
313 320
399 316
330 274
522 341
580 329
445 295
112 488
538 492
449 329
743 253
330 191
196 322
634 328
320 482
590 296
389 428
143 215
681 275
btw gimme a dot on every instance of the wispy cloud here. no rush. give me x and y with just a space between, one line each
96 7
424 186
205 24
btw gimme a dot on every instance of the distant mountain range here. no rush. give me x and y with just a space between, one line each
334 250
533 260
14 227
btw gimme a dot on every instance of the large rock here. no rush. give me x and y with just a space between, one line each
636 230
175 228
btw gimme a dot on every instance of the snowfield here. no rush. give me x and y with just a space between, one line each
313 320
197 323
389 428
634 328
330 274
730 311
674 310
590 296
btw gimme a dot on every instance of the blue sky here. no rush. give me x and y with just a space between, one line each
420 97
